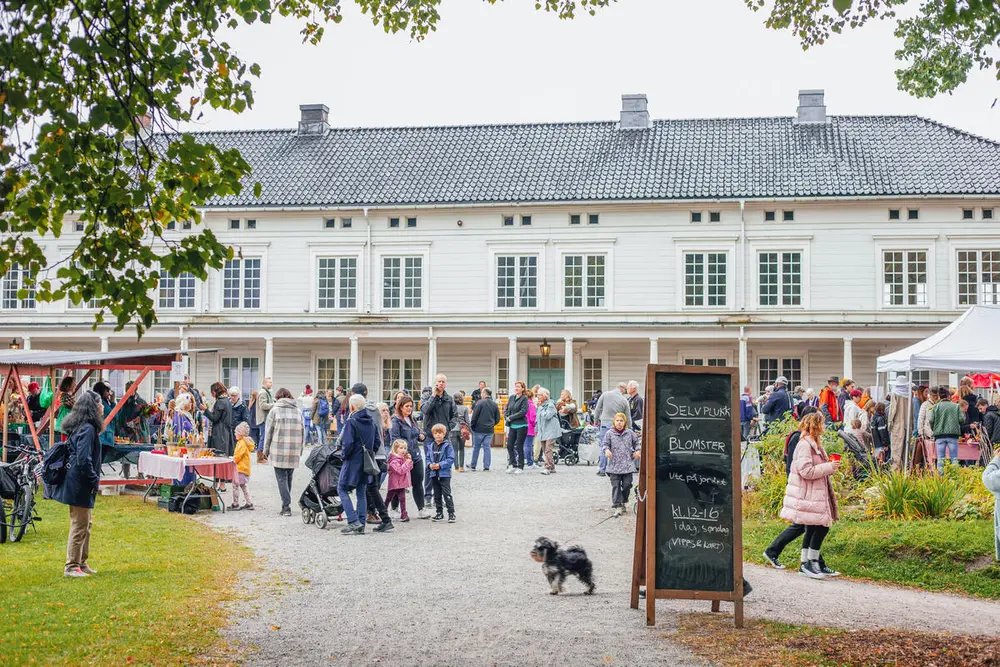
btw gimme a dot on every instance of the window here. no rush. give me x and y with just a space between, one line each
394 223
967 214
768 371
978 277
788 216
769 216
503 370
593 219
242 372
186 225
337 282
780 278
714 216
402 282
695 216
333 373
584 281
574 219
330 223
251 224
714 362
987 214
904 278
921 378
525 220
912 214
172 225
161 384
12 285
894 214
400 374
177 291
705 279
345 223
411 222
234 224
79 226
593 377
517 281
508 221
116 381
241 283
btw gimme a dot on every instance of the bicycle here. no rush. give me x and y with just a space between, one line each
23 475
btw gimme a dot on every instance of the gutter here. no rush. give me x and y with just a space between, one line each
369 270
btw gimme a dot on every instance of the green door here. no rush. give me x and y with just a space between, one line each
549 372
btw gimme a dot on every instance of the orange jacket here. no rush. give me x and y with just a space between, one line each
829 399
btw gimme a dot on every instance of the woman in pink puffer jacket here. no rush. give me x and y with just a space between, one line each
809 499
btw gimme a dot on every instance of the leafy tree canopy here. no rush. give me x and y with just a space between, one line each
91 95
942 40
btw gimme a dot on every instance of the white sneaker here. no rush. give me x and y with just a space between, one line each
423 514
545 471
618 511
518 471
510 470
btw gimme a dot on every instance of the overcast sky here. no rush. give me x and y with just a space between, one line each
509 63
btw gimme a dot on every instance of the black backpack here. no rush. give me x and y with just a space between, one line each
55 464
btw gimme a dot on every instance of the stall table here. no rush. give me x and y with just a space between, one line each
213 469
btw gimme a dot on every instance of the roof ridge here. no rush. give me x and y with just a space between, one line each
957 129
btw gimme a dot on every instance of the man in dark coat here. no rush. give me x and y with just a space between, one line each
359 433
437 408
221 415
779 403
241 413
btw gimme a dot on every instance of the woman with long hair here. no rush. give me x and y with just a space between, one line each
516 414
404 427
809 499
82 426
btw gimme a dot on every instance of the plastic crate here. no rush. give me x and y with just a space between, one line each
163 503
169 490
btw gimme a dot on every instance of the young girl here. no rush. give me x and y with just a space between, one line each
244 445
400 465
621 446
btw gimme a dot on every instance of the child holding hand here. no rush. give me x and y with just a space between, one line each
244 446
400 464
621 447
440 459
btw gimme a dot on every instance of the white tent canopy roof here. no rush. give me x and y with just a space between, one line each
967 344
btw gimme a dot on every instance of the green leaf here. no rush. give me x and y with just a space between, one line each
842 6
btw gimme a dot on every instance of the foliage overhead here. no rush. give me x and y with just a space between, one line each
942 40
91 95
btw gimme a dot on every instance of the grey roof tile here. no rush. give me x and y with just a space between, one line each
672 160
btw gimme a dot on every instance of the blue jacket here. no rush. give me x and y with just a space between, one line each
108 434
778 404
399 429
359 433
80 486
443 454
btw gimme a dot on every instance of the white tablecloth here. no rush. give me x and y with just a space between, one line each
171 467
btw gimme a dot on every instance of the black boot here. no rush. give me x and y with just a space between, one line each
383 527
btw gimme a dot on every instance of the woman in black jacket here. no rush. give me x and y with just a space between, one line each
880 433
221 438
404 427
83 474
516 416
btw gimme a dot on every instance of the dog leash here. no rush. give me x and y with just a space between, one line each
607 518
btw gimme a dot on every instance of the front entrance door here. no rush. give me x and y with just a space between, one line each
549 372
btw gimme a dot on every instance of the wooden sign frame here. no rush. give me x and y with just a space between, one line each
644 553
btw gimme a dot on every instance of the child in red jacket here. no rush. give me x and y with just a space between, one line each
400 465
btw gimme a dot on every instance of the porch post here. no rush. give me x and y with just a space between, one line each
511 364
432 358
355 360
848 357
27 342
569 380
269 357
654 350
743 362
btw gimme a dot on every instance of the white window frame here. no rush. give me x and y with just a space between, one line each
780 245
19 303
245 390
905 245
959 242
781 357
339 357
314 260
686 247
595 247
495 358
242 284
603 357
496 247
518 286
704 354
401 357
401 249
173 306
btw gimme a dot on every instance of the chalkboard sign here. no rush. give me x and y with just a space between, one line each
689 530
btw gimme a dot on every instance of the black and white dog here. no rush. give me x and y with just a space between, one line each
557 564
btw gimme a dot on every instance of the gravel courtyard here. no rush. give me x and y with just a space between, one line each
448 594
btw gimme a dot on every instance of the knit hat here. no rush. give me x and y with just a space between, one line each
856 393
242 430
308 390
33 388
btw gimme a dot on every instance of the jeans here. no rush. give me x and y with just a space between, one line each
604 459
787 536
375 502
482 441
515 446
322 427
308 427
284 477
946 444
442 492
360 513
459 445
529 446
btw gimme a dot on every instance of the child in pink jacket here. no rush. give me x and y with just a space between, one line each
400 465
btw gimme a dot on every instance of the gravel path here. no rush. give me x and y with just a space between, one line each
449 594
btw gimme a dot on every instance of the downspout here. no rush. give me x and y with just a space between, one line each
743 258
369 270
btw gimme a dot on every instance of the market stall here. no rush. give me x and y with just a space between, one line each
965 345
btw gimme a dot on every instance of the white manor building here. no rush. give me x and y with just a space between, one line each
804 245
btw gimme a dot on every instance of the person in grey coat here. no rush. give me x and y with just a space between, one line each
547 429
462 416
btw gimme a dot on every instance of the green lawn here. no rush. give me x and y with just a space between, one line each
156 598
930 554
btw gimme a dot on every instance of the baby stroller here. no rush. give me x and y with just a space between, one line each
859 452
319 500
589 444
568 447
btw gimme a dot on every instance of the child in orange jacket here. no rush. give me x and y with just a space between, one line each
244 446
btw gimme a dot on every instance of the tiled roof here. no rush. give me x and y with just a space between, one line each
674 159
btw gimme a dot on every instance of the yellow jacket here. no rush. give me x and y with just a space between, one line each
242 455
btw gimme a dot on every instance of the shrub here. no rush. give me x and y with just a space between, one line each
895 492
933 496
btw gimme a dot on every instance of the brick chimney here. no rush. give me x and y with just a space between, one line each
812 109
634 112
313 120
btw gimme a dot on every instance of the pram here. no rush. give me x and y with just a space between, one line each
319 501
860 453
568 447
589 444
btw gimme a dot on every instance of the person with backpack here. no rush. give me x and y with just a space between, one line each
72 472
779 403
748 412
320 417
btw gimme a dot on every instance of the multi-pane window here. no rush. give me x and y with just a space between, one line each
593 377
905 278
337 282
242 372
16 280
768 371
714 362
792 369
402 282
517 281
978 277
332 373
400 374
161 384
503 370
241 283
921 378
583 281
177 291
780 278
705 279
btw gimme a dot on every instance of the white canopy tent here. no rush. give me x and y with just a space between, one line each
967 344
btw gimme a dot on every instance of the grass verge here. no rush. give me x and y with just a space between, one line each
935 555
766 644
157 598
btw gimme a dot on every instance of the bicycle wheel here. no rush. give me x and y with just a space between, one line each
3 521
20 516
